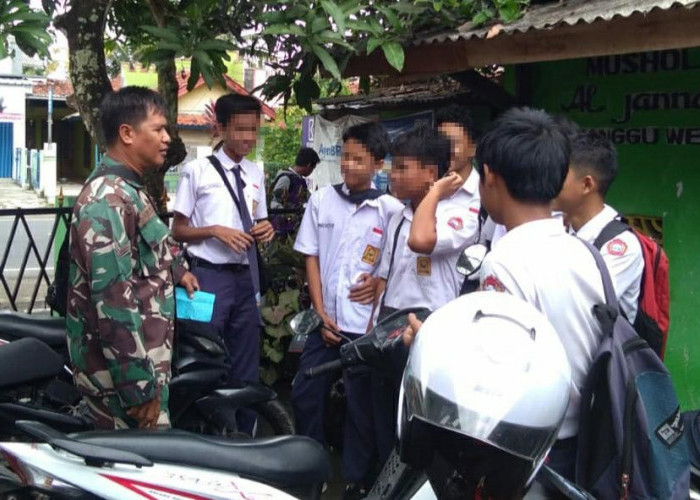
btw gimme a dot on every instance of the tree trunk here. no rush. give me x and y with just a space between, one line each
84 26
168 88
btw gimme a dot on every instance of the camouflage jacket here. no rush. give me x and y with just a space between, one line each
121 303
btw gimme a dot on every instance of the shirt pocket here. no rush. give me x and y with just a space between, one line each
154 255
371 248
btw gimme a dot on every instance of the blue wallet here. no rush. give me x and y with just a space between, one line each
198 308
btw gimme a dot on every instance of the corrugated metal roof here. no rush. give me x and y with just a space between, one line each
18 81
567 12
411 93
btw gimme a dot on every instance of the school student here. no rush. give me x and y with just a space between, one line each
420 158
592 169
523 161
342 235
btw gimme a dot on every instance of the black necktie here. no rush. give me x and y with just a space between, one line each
247 225
357 198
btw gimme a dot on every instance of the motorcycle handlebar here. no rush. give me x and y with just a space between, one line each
315 371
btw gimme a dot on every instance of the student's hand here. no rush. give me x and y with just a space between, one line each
189 281
236 240
146 414
363 291
329 338
409 334
263 232
448 185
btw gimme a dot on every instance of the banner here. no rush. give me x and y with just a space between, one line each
328 142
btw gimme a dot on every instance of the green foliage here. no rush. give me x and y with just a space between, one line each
27 26
282 140
321 36
285 270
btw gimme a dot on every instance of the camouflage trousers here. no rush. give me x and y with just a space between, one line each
109 414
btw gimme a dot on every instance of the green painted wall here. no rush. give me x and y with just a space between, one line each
659 178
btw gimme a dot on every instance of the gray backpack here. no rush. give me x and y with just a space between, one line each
630 442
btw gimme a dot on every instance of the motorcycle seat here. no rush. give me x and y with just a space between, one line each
284 461
27 360
51 331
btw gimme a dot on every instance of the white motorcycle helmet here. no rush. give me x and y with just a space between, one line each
483 396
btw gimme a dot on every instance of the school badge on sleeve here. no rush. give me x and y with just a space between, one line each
493 284
456 223
370 255
423 266
617 247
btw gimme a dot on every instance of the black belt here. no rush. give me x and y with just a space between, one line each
236 268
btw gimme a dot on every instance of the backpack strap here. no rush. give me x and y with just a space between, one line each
611 229
393 256
610 297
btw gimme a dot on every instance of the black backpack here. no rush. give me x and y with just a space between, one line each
57 293
630 441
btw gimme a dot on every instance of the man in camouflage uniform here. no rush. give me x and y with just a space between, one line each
124 265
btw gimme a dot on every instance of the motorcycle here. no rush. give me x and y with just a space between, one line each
172 464
36 383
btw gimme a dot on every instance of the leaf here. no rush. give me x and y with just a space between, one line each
268 374
169 35
273 17
279 29
372 44
274 315
319 24
327 60
408 8
364 84
194 75
274 354
175 47
482 16
290 299
278 331
394 54
336 13
215 44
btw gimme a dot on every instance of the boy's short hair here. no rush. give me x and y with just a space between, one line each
372 135
233 104
426 145
130 106
528 149
307 156
455 113
593 153
568 127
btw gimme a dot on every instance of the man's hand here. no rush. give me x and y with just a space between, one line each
329 338
263 232
363 291
146 414
448 185
190 283
409 334
236 240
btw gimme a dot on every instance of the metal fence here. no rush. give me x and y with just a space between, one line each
32 238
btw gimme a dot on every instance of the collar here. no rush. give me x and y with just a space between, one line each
227 162
109 166
408 212
535 229
591 229
367 195
471 185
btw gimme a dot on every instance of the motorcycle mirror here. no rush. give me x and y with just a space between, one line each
305 322
469 262
393 325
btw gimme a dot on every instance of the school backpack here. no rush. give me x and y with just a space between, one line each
631 435
652 320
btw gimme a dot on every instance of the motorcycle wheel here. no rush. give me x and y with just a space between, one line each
276 418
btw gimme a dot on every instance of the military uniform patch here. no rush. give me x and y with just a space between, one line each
617 247
423 266
370 255
492 283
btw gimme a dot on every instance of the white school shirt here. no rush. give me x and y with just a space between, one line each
203 198
555 272
429 280
348 240
623 256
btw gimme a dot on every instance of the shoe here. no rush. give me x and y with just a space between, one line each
354 491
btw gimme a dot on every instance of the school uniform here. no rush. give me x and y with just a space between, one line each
417 280
542 264
431 280
623 256
348 239
203 198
